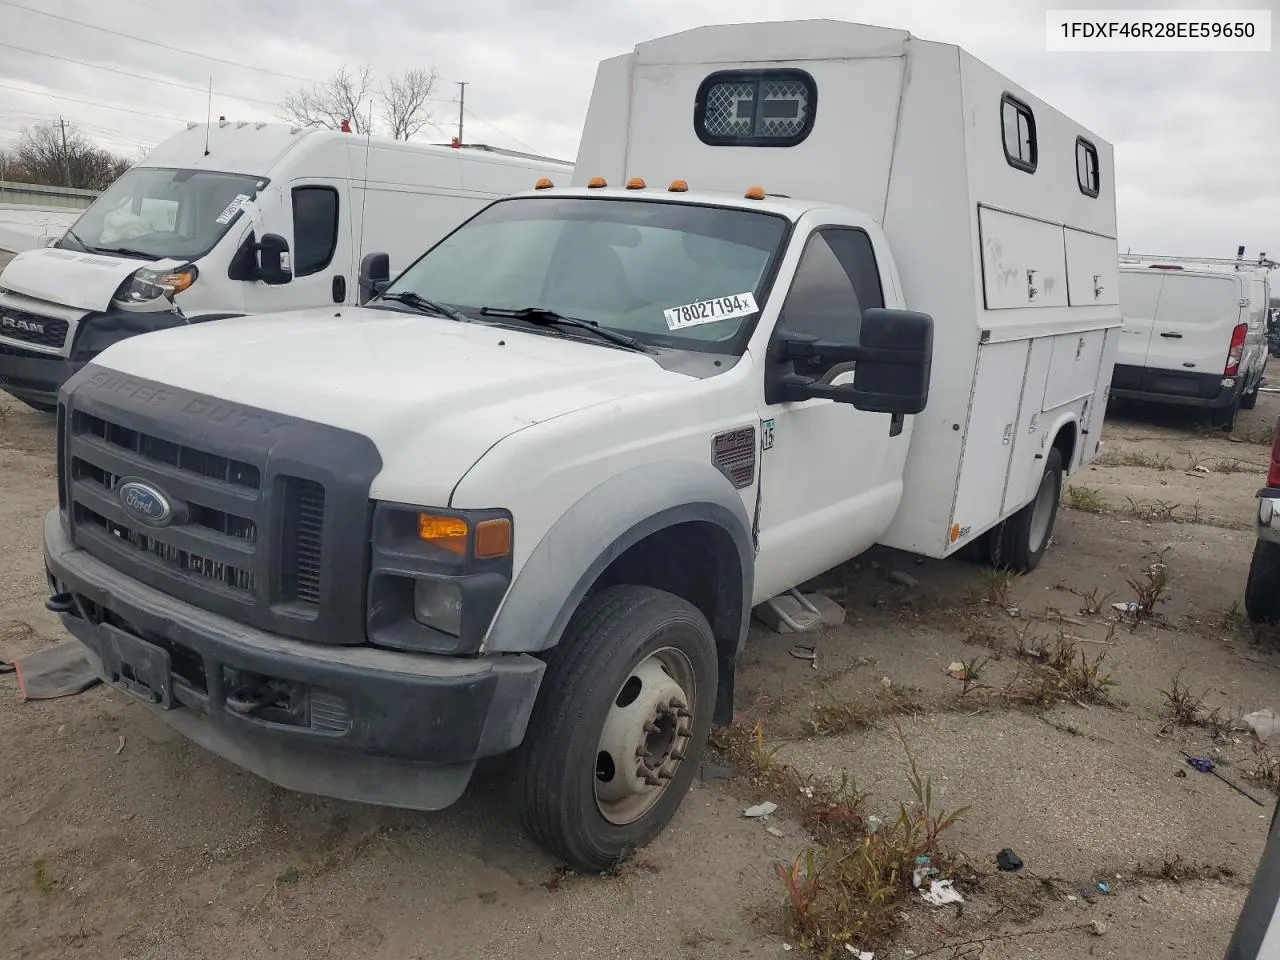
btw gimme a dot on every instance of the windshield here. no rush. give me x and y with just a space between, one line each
158 213
671 274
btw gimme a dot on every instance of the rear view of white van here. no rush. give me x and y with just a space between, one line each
1194 335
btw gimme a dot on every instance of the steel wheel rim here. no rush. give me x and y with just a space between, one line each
1042 512
645 736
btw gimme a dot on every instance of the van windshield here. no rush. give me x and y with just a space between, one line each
157 213
670 274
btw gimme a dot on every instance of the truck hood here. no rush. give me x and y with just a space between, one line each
71 278
407 382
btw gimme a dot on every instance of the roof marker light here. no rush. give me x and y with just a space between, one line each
678 186
596 183
544 183
635 183
754 193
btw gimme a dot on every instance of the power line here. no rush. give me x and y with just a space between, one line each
156 43
91 103
136 76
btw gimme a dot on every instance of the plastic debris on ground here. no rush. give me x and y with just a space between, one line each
1104 888
1264 723
1203 764
1129 606
873 823
924 868
957 671
941 893
774 832
860 954
1006 859
760 810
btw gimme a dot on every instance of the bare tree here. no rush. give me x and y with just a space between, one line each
404 101
44 156
328 104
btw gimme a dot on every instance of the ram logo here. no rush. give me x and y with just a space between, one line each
20 325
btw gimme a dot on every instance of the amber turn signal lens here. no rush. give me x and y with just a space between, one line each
493 538
447 532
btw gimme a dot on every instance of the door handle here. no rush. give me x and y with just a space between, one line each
1172 336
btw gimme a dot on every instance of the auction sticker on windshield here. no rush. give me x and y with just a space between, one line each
710 311
226 215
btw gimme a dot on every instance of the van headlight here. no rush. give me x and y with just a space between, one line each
148 284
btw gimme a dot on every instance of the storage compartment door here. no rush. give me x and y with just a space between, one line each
1096 412
1093 269
989 435
1029 441
1073 372
1023 261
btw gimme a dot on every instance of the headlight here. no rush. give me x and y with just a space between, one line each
438 604
147 284
437 576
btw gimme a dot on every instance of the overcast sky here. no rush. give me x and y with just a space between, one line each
1197 136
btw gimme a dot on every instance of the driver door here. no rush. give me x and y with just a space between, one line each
830 475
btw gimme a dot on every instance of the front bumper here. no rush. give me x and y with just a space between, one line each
359 724
34 377
1269 515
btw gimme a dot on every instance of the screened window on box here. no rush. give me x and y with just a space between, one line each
755 108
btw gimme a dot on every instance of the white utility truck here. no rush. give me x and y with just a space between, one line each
821 286
1195 332
230 219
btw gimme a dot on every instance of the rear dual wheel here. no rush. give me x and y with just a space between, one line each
619 727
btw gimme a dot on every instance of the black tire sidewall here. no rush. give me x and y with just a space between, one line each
581 834
1013 537
1262 589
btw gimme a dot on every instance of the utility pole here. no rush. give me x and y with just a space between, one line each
66 161
462 101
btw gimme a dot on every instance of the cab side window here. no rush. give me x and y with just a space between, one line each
315 228
837 280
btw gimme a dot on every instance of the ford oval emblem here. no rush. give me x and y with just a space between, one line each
145 502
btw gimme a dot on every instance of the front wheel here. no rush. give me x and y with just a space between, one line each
1262 591
1019 543
619 727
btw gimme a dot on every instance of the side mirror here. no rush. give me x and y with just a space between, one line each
274 268
892 364
375 274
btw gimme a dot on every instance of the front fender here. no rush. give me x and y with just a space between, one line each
598 529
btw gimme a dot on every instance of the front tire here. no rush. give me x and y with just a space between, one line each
619 727
1262 591
1019 543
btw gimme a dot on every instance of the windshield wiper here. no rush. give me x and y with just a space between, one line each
549 318
125 252
423 305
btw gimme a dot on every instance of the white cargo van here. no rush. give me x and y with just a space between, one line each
819 286
228 220
1195 333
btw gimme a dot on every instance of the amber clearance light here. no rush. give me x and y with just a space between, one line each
447 532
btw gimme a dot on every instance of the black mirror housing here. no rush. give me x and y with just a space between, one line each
892 364
895 377
273 265
375 274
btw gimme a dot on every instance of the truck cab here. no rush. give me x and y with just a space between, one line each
526 496
227 220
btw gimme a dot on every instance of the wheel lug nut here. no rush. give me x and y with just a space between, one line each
682 712
665 774
651 727
677 754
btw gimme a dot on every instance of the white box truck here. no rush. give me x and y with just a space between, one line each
526 499
1195 332
230 219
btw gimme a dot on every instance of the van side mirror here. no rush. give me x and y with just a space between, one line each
892 364
375 275
274 268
